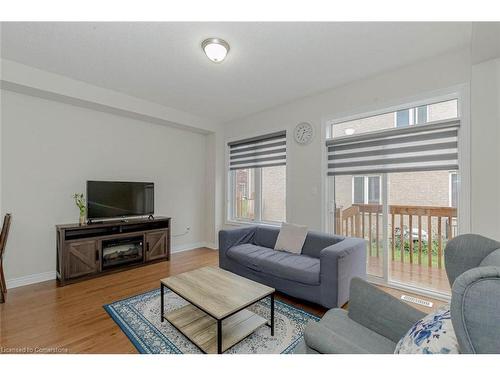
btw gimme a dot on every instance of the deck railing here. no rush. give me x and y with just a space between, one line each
417 234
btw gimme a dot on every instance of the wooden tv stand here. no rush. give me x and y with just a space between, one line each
83 251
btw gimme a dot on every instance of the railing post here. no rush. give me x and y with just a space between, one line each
393 247
358 224
419 239
410 235
338 221
401 237
362 223
429 240
439 242
369 233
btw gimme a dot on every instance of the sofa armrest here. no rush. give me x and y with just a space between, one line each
465 252
233 237
475 310
323 340
381 312
339 263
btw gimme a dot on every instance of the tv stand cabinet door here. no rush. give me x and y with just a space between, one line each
156 245
82 258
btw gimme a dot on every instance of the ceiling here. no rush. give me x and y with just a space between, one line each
269 63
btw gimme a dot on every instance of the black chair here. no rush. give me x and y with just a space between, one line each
3 242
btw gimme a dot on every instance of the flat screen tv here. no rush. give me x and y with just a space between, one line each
112 199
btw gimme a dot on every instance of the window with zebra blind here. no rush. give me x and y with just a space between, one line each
393 178
257 178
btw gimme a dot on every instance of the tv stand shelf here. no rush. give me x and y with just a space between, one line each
80 247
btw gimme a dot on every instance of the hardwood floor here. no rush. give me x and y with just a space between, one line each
71 319
413 274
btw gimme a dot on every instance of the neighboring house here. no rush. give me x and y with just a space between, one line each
272 181
432 188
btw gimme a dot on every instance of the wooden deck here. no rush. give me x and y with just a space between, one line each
412 274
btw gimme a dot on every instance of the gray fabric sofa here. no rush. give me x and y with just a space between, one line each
376 321
321 274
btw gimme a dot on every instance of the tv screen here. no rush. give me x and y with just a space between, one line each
107 199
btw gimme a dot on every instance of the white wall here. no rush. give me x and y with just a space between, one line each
26 79
485 148
304 170
49 149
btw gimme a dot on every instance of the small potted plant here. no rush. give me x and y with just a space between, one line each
80 203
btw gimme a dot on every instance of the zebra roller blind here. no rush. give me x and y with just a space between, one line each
415 148
264 151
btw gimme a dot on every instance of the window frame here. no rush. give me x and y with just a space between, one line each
413 115
366 186
460 92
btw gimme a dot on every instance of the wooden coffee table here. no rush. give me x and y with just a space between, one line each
216 317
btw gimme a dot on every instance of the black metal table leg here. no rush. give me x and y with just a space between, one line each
272 314
162 302
219 336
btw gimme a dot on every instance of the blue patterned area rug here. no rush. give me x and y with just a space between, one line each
139 318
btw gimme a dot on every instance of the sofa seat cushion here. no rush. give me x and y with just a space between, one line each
299 268
336 333
248 255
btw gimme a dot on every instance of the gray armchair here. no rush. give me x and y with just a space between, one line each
376 321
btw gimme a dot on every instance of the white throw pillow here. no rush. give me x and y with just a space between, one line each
433 334
291 238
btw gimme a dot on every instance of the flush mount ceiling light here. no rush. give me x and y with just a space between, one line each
216 49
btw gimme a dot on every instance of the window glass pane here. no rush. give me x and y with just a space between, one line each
358 195
421 114
274 193
403 118
373 189
244 194
363 125
406 117
443 110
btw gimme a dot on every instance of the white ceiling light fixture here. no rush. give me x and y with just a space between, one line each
216 49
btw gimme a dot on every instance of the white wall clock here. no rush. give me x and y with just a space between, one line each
303 133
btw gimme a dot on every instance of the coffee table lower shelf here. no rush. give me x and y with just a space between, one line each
201 328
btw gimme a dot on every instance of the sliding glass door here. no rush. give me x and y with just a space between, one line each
393 180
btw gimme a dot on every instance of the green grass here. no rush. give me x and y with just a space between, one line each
406 244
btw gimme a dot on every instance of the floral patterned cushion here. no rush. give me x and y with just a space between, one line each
433 334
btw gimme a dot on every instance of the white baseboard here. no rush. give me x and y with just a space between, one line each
211 246
192 246
31 279
51 275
